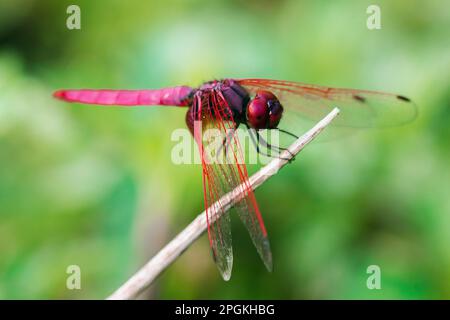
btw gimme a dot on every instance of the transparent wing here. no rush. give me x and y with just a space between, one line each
223 171
359 108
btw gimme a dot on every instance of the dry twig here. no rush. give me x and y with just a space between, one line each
167 255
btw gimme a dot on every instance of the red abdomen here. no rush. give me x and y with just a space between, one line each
174 96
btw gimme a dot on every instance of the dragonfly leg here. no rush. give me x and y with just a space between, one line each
256 144
256 141
272 147
288 133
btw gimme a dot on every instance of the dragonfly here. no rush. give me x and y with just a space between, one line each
256 105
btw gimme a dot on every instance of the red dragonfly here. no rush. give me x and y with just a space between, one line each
256 104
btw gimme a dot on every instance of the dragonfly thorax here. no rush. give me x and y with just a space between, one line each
263 111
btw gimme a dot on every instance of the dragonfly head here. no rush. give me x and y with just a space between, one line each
264 111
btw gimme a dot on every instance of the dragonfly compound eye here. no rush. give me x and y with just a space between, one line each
264 111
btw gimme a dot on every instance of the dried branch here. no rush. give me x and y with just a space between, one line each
167 255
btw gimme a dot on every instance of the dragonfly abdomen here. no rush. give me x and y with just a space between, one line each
174 96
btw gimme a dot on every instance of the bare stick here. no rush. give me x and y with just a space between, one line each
167 255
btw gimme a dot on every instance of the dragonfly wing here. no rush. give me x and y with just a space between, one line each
359 108
219 231
247 208
250 215
223 171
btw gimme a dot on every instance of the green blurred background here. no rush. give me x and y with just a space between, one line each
96 187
